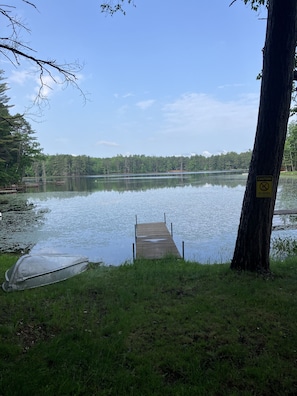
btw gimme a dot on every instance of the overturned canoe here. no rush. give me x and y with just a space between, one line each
39 270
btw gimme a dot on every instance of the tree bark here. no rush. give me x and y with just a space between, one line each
253 239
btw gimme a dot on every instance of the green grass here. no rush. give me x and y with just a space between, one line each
152 328
288 174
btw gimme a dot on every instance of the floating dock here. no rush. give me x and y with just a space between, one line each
285 212
8 191
285 225
154 241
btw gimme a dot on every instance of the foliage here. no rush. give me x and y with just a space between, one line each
255 4
152 328
290 152
111 8
68 165
284 247
18 146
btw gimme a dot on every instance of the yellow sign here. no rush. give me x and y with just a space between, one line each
264 186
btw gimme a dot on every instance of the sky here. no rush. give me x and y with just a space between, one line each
168 78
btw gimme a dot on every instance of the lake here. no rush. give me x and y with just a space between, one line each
95 216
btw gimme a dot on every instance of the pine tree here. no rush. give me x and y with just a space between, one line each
18 146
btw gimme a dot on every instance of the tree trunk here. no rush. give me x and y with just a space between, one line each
253 239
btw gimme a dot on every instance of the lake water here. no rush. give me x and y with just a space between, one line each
96 216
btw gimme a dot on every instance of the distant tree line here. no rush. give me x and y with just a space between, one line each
82 165
69 165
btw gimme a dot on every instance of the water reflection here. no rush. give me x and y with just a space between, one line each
286 200
19 219
95 216
139 182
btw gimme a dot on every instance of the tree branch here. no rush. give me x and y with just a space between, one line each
255 4
41 63
15 50
110 8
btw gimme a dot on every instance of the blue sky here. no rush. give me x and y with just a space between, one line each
169 78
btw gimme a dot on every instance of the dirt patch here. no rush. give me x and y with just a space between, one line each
30 334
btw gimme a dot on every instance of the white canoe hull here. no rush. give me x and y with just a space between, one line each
39 270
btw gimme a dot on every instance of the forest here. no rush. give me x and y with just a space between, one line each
74 166
68 165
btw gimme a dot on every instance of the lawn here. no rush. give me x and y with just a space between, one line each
164 327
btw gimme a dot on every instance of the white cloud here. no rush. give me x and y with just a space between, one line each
46 87
145 104
213 124
107 143
119 96
224 86
21 77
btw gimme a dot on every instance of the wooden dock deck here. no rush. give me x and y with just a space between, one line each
153 241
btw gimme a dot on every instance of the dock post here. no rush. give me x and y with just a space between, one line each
135 219
135 232
133 248
171 228
165 218
183 250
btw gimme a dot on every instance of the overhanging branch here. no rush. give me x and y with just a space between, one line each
70 76
13 49
111 7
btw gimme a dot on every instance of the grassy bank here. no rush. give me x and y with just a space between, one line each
289 174
152 328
